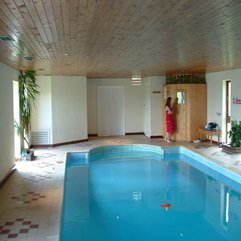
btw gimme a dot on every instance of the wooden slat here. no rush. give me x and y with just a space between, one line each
111 38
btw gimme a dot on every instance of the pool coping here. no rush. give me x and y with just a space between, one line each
203 161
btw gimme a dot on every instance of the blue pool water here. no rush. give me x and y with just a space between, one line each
117 193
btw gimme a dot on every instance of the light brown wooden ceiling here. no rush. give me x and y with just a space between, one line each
118 38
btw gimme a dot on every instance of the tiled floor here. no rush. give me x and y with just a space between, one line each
31 198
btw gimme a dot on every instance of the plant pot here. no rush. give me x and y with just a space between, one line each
28 155
231 149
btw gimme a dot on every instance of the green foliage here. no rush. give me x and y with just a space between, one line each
28 90
185 79
235 134
20 132
17 127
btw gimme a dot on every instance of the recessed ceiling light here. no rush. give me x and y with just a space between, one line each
28 58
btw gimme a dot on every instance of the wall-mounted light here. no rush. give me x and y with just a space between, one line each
136 80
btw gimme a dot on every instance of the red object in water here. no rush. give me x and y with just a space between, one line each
165 205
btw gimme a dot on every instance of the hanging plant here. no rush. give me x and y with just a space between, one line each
28 90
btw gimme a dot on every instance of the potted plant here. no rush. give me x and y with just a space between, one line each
235 134
235 138
28 90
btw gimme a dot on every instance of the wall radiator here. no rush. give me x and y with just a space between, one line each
40 137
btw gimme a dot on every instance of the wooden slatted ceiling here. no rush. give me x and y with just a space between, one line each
112 38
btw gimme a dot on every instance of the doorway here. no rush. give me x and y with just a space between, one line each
16 115
111 116
226 110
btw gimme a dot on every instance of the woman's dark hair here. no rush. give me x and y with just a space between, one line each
168 102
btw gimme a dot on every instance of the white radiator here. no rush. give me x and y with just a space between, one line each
40 137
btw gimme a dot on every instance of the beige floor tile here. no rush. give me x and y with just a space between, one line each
34 192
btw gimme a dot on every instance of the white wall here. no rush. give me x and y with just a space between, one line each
7 75
134 102
147 107
214 95
143 108
157 99
61 108
215 82
42 111
69 108
153 104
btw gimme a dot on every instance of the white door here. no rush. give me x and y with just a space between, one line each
111 111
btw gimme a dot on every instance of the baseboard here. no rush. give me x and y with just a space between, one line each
152 137
40 146
13 169
69 142
134 133
127 134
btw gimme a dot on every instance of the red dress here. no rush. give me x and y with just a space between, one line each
169 121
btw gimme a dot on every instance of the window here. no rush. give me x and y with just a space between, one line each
180 97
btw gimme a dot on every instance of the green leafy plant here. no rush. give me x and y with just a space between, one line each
28 90
235 134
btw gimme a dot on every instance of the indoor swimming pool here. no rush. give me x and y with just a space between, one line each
144 192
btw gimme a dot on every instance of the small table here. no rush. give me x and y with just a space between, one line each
209 134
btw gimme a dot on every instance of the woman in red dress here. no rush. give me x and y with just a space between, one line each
169 120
